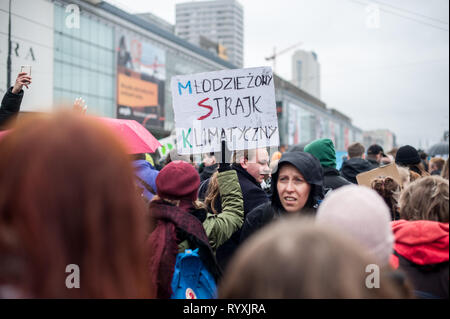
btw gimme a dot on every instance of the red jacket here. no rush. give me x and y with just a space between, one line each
421 250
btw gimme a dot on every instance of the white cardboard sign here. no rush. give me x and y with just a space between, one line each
235 105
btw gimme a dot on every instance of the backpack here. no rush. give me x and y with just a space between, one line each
191 279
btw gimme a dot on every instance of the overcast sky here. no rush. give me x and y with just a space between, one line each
395 76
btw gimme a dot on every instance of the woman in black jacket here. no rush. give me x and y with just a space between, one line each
297 187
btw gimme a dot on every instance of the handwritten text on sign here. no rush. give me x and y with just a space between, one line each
235 105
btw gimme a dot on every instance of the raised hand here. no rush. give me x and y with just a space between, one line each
23 79
79 105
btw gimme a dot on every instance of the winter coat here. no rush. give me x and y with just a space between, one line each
421 250
310 168
374 163
253 196
208 171
353 167
146 173
10 106
220 227
332 179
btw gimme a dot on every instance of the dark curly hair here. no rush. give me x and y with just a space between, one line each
389 190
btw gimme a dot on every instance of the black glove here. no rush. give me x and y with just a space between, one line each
223 167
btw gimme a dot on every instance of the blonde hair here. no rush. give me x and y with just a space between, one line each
212 193
444 172
426 199
404 175
438 162
176 202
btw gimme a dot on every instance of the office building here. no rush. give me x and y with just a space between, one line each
221 21
306 72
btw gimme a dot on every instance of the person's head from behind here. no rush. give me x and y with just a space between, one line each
444 172
405 175
389 190
254 161
323 150
375 152
178 182
174 156
408 156
422 154
436 164
209 159
363 215
426 199
68 197
296 259
297 182
355 150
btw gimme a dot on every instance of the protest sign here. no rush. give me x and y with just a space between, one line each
390 170
234 105
167 144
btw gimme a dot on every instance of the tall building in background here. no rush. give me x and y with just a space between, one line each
220 22
306 72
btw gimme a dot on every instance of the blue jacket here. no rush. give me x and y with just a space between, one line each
145 171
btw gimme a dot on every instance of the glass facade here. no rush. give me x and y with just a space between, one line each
84 63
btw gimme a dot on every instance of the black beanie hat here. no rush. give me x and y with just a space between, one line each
407 155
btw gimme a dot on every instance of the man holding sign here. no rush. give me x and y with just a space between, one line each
237 106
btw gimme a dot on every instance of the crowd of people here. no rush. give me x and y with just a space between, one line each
290 225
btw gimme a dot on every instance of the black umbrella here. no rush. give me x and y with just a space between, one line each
438 149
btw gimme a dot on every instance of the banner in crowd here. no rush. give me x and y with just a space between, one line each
140 82
233 105
167 144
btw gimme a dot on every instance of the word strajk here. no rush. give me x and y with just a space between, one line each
229 106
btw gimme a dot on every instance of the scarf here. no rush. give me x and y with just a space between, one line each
173 225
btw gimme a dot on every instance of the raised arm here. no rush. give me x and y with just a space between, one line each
220 227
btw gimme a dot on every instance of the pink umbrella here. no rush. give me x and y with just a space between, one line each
136 137
3 134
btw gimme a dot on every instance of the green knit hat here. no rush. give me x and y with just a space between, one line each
323 150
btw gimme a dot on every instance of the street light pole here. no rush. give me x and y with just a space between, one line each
8 62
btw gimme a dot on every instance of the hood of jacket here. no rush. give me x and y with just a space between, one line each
353 167
310 168
323 150
422 242
211 169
